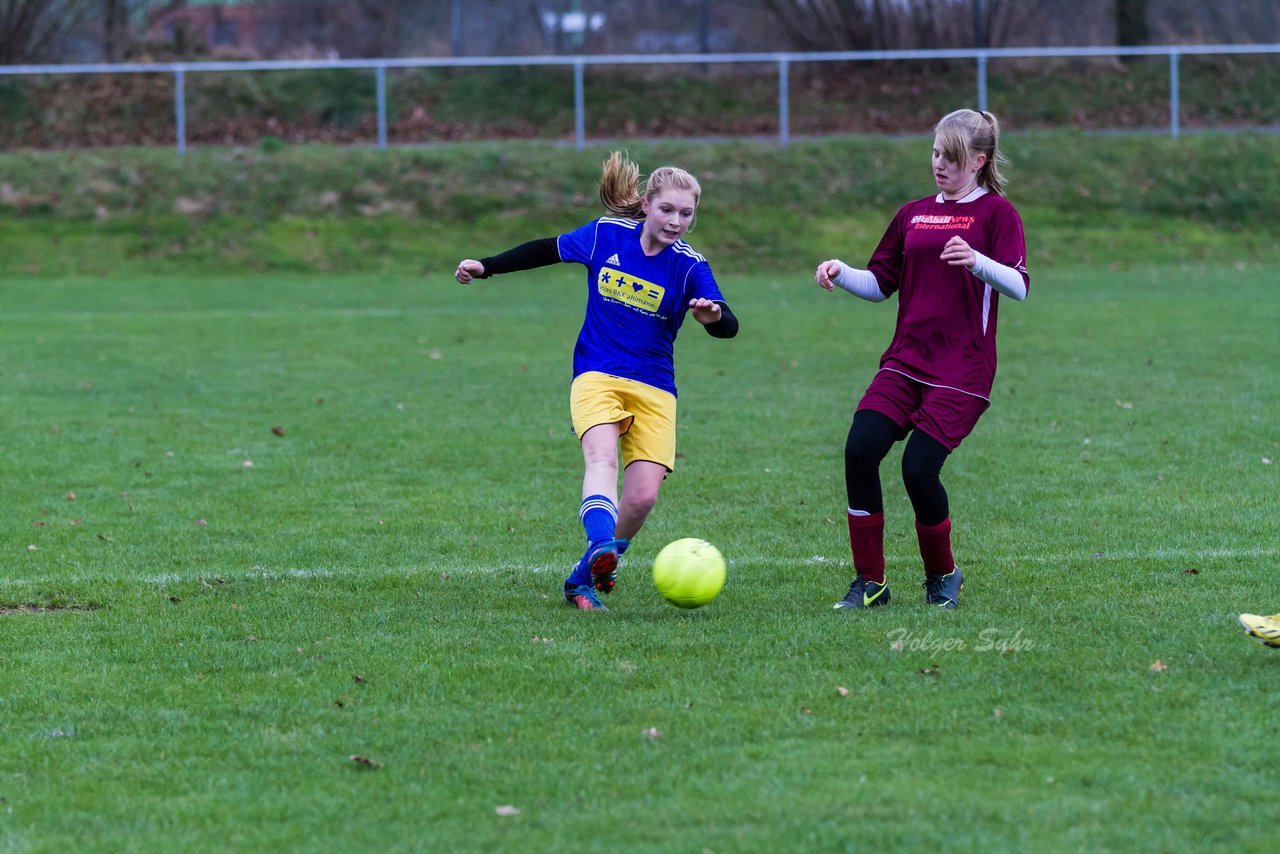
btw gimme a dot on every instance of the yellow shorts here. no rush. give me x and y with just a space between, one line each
646 415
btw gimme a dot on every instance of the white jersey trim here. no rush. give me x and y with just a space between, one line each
937 385
630 224
972 196
685 249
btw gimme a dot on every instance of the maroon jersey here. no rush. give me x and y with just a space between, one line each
946 329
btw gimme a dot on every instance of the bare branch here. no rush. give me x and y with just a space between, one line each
29 29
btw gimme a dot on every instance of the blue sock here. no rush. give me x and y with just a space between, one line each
599 516
622 545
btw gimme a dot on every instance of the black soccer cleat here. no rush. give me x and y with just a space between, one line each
943 590
864 594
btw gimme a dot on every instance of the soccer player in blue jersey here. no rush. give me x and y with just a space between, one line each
642 278
949 257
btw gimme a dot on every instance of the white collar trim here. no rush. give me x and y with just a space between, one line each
974 194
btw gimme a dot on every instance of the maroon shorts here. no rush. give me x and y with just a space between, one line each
945 414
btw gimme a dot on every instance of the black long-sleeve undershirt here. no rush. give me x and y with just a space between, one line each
544 252
536 253
726 326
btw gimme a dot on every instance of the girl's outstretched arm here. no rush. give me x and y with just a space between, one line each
860 283
526 256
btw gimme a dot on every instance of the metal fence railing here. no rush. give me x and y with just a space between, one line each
782 61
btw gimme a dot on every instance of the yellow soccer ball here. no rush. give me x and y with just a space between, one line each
689 573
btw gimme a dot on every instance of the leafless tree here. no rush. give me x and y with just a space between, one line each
826 24
32 30
115 29
1131 22
883 24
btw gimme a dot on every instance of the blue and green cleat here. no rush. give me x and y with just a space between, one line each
583 597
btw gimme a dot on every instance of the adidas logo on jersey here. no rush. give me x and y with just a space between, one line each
613 259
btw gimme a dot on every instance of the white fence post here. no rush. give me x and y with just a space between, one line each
784 101
982 82
579 110
381 75
180 108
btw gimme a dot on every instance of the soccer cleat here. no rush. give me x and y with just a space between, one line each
943 590
864 594
603 562
583 597
1265 629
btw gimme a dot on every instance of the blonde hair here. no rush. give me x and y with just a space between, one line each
965 133
620 185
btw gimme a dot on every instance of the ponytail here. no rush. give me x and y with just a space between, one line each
620 185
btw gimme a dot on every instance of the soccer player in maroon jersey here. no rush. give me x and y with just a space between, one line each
949 257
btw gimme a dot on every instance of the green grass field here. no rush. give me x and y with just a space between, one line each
277 521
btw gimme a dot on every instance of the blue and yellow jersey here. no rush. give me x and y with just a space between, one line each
635 302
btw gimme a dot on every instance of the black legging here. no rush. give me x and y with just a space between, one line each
871 436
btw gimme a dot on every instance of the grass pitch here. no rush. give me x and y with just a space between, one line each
283 557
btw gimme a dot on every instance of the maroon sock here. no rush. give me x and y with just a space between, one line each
866 538
935 547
